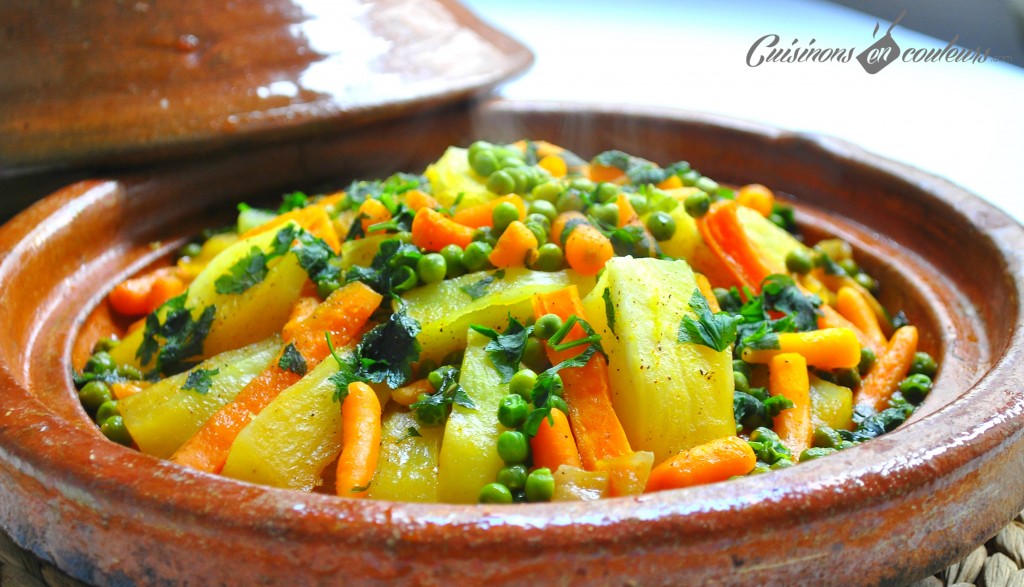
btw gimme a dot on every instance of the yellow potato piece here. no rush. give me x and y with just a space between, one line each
831 405
407 465
451 176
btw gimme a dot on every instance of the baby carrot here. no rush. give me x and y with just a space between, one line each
712 461
587 250
554 445
360 440
433 231
787 376
831 348
855 308
889 369
516 247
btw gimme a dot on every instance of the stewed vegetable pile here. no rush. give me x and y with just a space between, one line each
517 324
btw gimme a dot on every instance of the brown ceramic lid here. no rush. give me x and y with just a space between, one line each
889 511
133 81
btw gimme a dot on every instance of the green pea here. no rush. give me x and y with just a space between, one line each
431 268
129 372
326 287
540 220
479 146
815 453
722 295
504 214
403 236
706 184
100 363
741 366
484 234
495 493
93 395
661 225
547 191
915 387
697 204
114 429
513 447
522 383
848 378
570 201
867 282
484 163
582 184
521 176
513 476
740 382
549 258
106 410
782 464
923 364
511 162
778 220
867 360
475 257
534 355
453 261
538 231
104 345
191 250
543 208
501 183
689 178
849 266
640 204
557 387
540 485
436 377
606 213
825 437
512 409
547 325
799 261
607 192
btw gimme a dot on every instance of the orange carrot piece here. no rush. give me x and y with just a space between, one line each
831 348
734 241
563 220
343 314
554 445
627 214
360 440
516 247
600 173
587 250
123 389
416 199
717 460
707 291
483 214
555 165
372 212
787 376
854 307
596 427
312 218
670 183
433 231
409 394
756 197
141 295
889 369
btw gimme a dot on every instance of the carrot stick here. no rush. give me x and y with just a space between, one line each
831 348
596 427
483 214
889 369
554 445
712 461
141 295
408 395
433 231
516 247
787 376
360 440
715 241
855 308
312 218
342 314
732 237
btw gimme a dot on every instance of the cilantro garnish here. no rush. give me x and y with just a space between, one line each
245 273
757 409
391 271
387 352
715 331
292 201
315 257
179 337
292 360
768 446
478 289
346 375
609 309
433 409
199 380
506 349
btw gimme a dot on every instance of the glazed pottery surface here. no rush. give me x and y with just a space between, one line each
887 512
124 82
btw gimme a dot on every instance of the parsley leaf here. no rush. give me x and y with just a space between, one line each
768 446
316 258
478 289
178 338
387 352
716 331
609 309
780 293
245 273
292 360
292 201
433 409
391 270
756 409
506 350
346 375
410 432
200 380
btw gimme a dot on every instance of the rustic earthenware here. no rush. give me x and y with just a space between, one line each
892 510
124 82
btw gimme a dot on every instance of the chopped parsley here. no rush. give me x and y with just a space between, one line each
346 375
179 337
609 309
316 258
433 409
478 289
245 273
716 331
292 360
387 352
293 201
757 409
199 380
506 349
392 270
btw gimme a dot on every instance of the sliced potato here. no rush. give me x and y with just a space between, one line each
831 405
451 176
407 466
